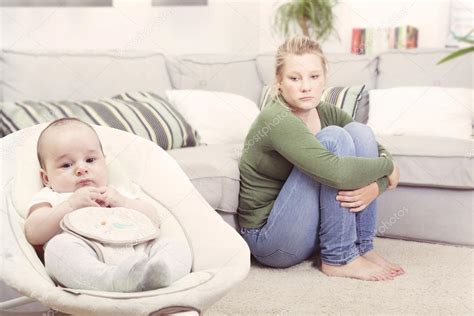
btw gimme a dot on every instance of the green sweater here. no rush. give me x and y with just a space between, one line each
279 140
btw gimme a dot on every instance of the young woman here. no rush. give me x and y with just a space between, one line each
310 176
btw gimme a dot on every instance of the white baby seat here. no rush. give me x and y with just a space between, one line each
221 258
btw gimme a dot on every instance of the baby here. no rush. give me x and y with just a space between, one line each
74 174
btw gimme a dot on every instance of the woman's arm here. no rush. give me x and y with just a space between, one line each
342 119
358 200
292 140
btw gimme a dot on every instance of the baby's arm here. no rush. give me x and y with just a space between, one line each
113 198
43 220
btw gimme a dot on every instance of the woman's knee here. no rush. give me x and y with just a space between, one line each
364 139
356 129
337 140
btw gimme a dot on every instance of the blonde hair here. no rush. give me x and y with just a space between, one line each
298 45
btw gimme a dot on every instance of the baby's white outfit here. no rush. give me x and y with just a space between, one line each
73 263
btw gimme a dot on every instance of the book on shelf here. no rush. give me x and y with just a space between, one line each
411 37
358 41
403 37
374 40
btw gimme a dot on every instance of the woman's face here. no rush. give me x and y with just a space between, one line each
301 81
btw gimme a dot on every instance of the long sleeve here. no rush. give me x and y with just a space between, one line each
342 119
291 139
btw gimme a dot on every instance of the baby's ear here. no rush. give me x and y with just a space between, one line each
44 177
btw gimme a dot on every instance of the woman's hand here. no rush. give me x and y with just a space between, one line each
394 178
358 200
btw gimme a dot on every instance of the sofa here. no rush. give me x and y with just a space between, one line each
433 202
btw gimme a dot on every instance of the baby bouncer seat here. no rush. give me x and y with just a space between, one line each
221 258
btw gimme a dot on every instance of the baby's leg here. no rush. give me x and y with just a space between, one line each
169 261
73 263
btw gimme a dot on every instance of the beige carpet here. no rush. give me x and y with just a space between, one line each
439 280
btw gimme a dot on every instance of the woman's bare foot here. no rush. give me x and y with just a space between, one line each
359 268
374 257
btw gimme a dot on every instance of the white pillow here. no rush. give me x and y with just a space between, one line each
429 111
218 117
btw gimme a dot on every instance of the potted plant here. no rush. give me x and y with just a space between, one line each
314 17
466 39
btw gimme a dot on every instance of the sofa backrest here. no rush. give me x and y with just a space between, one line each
85 75
419 68
80 75
343 69
225 73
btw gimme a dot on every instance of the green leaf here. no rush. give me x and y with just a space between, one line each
456 54
317 13
466 40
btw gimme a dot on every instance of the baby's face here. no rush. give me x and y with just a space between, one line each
72 158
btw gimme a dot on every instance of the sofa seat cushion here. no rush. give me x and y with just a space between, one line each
214 171
432 161
424 162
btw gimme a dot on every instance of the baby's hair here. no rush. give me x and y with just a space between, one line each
61 122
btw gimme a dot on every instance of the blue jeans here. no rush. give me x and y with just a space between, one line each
307 217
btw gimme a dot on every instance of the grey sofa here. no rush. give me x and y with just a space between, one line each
434 199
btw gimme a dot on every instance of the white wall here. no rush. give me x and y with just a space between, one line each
223 26
431 17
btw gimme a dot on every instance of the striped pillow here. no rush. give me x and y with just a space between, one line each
345 98
156 121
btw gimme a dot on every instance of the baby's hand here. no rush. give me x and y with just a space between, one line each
111 198
84 197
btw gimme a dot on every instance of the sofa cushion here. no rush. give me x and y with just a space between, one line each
219 117
418 67
432 161
343 70
422 111
80 75
345 98
155 120
362 112
226 73
214 171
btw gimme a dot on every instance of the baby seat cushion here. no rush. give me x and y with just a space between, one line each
221 258
114 233
28 182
